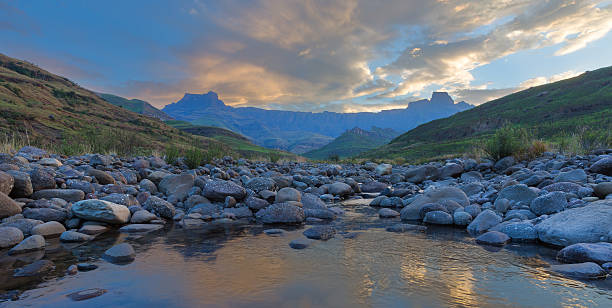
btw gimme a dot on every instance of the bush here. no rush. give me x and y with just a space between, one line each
507 141
274 157
171 154
215 150
536 149
334 157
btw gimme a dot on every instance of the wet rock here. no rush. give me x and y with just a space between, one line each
461 218
493 238
602 166
10 236
438 218
70 195
323 233
91 229
300 243
520 231
219 189
23 224
239 212
205 209
319 213
8 207
588 224
122 199
74 237
100 210
86 267
587 270
142 216
49 229
586 252
412 211
256 204
550 203
274 231
281 213
288 194
140 228
162 207
37 268
121 253
311 201
483 222
86 294
388 213
405 228
31 243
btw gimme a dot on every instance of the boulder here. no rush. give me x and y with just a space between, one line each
586 252
123 199
493 238
300 243
576 176
504 163
121 253
70 195
483 222
37 268
31 243
587 270
256 204
100 210
388 213
602 166
550 203
140 228
603 189
422 173
8 207
41 179
588 224
384 169
23 224
45 214
412 211
169 184
162 207
49 229
438 218
6 183
319 213
288 194
142 216
323 233
340 189
451 170
373 187
281 213
219 189
102 177
518 193
258 184
520 231
461 218
148 185
75 237
10 236
22 185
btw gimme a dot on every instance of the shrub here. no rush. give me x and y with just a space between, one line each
536 149
274 157
171 154
334 157
215 150
194 157
507 141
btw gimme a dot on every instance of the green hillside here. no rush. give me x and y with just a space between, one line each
234 141
353 142
135 105
550 112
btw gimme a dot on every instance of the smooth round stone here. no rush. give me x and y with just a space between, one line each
31 243
320 233
93 229
134 228
122 253
142 216
10 236
493 238
49 229
405 228
75 237
86 294
438 218
603 189
461 218
300 243
388 213
34 269
586 270
586 252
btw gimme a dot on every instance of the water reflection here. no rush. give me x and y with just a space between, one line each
238 265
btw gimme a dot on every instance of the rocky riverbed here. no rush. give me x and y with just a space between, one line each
558 201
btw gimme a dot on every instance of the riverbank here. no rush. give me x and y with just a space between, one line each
552 200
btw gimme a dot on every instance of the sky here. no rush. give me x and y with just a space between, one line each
310 55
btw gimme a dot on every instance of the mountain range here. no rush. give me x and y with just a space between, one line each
300 132
136 105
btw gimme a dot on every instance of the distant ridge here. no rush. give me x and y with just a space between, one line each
136 105
353 142
301 132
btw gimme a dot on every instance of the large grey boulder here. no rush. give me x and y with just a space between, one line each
22 186
518 193
123 199
438 218
422 173
493 238
288 194
70 195
31 243
42 179
6 183
550 203
451 170
373 187
576 176
169 184
483 222
162 207
49 229
46 214
520 231
10 236
603 189
23 224
8 207
586 252
313 202
588 224
461 218
412 211
384 169
602 166
121 253
142 216
217 190
101 176
100 210
281 213
504 163
340 189
258 184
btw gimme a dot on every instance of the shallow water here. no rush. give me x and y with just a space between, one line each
240 266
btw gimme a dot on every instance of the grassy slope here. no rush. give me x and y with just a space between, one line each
234 141
135 105
50 111
351 143
550 111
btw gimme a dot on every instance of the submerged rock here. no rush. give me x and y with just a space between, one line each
586 252
121 253
587 270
